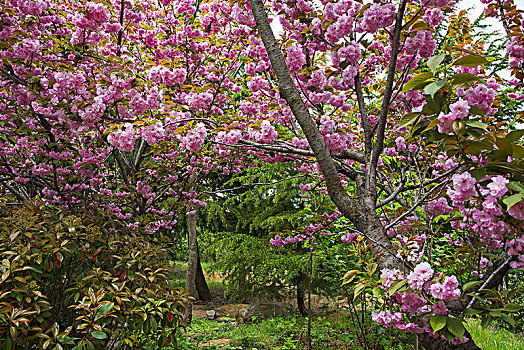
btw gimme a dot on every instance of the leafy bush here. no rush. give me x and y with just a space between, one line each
72 282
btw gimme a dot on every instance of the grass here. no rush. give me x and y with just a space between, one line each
177 277
280 333
494 338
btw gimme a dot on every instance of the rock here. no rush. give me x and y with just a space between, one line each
262 311
211 314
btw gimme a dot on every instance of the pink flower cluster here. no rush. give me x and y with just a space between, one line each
386 318
31 7
483 96
463 187
348 54
377 16
515 50
266 134
199 101
447 291
438 206
517 249
257 83
123 139
420 275
433 16
349 238
170 77
153 133
195 138
389 277
95 16
422 43
295 59
458 111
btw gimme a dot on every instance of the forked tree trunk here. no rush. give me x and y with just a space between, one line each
200 280
361 213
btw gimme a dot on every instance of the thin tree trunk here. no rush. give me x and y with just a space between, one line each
192 260
300 298
200 280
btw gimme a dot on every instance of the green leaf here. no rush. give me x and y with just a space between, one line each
508 319
478 125
463 78
437 322
408 119
431 125
518 151
435 61
470 285
90 345
396 286
104 309
99 334
512 200
456 327
515 135
472 311
417 81
478 174
432 88
470 61
515 186
476 111
513 307
504 145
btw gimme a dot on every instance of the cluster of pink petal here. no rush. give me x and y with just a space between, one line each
463 187
389 277
198 101
348 54
447 291
266 134
194 139
377 16
170 77
420 275
458 111
349 238
95 16
517 210
517 249
386 318
123 139
438 206
31 7
258 83
433 16
295 59
422 43
515 49
483 96
153 133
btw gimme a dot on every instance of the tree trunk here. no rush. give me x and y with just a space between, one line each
200 280
192 260
300 298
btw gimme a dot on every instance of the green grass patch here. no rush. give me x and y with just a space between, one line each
281 333
494 337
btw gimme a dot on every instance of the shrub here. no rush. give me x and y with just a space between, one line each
72 282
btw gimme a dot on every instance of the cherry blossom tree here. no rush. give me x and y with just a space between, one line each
393 106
